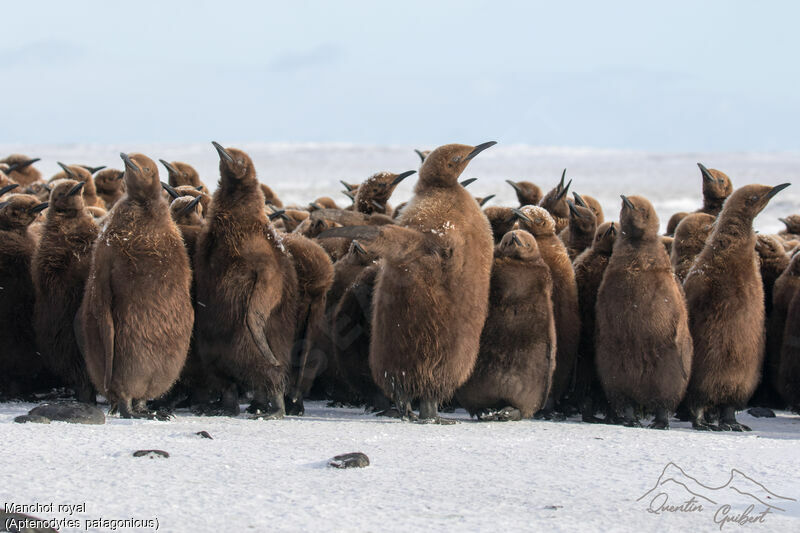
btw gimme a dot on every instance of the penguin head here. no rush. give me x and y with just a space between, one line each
66 196
371 195
637 218
141 177
527 192
694 229
535 220
518 244
39 189
235 166
748 201
179 173
186 210
581 217
769 247
18 211
109 180
502 220
716 184
20 168
604 237
359 255
555 201
792 223
325 202
74 172
443 166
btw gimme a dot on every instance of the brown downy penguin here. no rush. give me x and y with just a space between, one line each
78 173
373 194
18 357
788 378
527 193
644 348
690 238
39 189
246 291
786 287
716 189
579 234
502 220
538 222
589 269
672 223
726 312
270 198
59 269
21 170
135 337
8 189
555 202
431 294
5 181
772 260
110 186
792 230
593 204
183 174
514 370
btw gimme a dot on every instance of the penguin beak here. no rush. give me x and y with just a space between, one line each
360 249
610 231
92 170
22 164
47 187
776 189
515 239
515 186
627 202
129 164
39 208
706 174
401 177
68 171
349 195
466 182
76 188
480 148
170 168
314 206
346 185
170 190
223 155
191 205
8 188
579 200
573 210
277 214
421 155
520 215
564 191
561 183
485 199
120 175
781 219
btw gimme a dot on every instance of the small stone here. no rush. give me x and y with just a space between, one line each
34 419
150 453
761 412
72 412
350 460
204 434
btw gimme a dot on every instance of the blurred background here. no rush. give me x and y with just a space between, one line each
684 76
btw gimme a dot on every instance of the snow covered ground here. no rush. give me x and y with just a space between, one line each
301 172
529 475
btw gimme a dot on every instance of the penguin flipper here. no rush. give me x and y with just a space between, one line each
256 321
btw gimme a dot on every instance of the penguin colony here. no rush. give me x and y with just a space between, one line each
158 295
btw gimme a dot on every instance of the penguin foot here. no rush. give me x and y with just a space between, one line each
552 415
275 414
257 407
295 407
631 423
390 413
702 426
659 424
216 409
591 419
732 426
435 420
506 414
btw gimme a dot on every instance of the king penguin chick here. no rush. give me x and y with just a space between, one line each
373 194
786 287
514 370
772 260
78 173
726 311
502 220
21 170
788 376
527 193
644 348
134 338
246 292
579 234
59 268
792 230
18 357
716 189
690 238
555 202
183 174
110 186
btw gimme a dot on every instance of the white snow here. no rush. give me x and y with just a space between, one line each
272 476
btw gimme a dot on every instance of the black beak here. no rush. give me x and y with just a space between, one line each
360 249
564 191
485 199
480 148
8 188
39 208
561 183
191 205
573 210
349 195
519 214
276 214
47 187
76 188
346 185
706 174
22 164
68 171
776 189
92 170
579 200
401 177
421 155
781 219
626 202
223 155
466 182
129 162
170 190
515 239
121 174
170 168
516 187
610 231
314 206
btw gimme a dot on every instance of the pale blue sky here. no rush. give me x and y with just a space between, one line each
677 76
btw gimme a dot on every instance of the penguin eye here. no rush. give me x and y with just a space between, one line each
753 199
456 159
240 161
